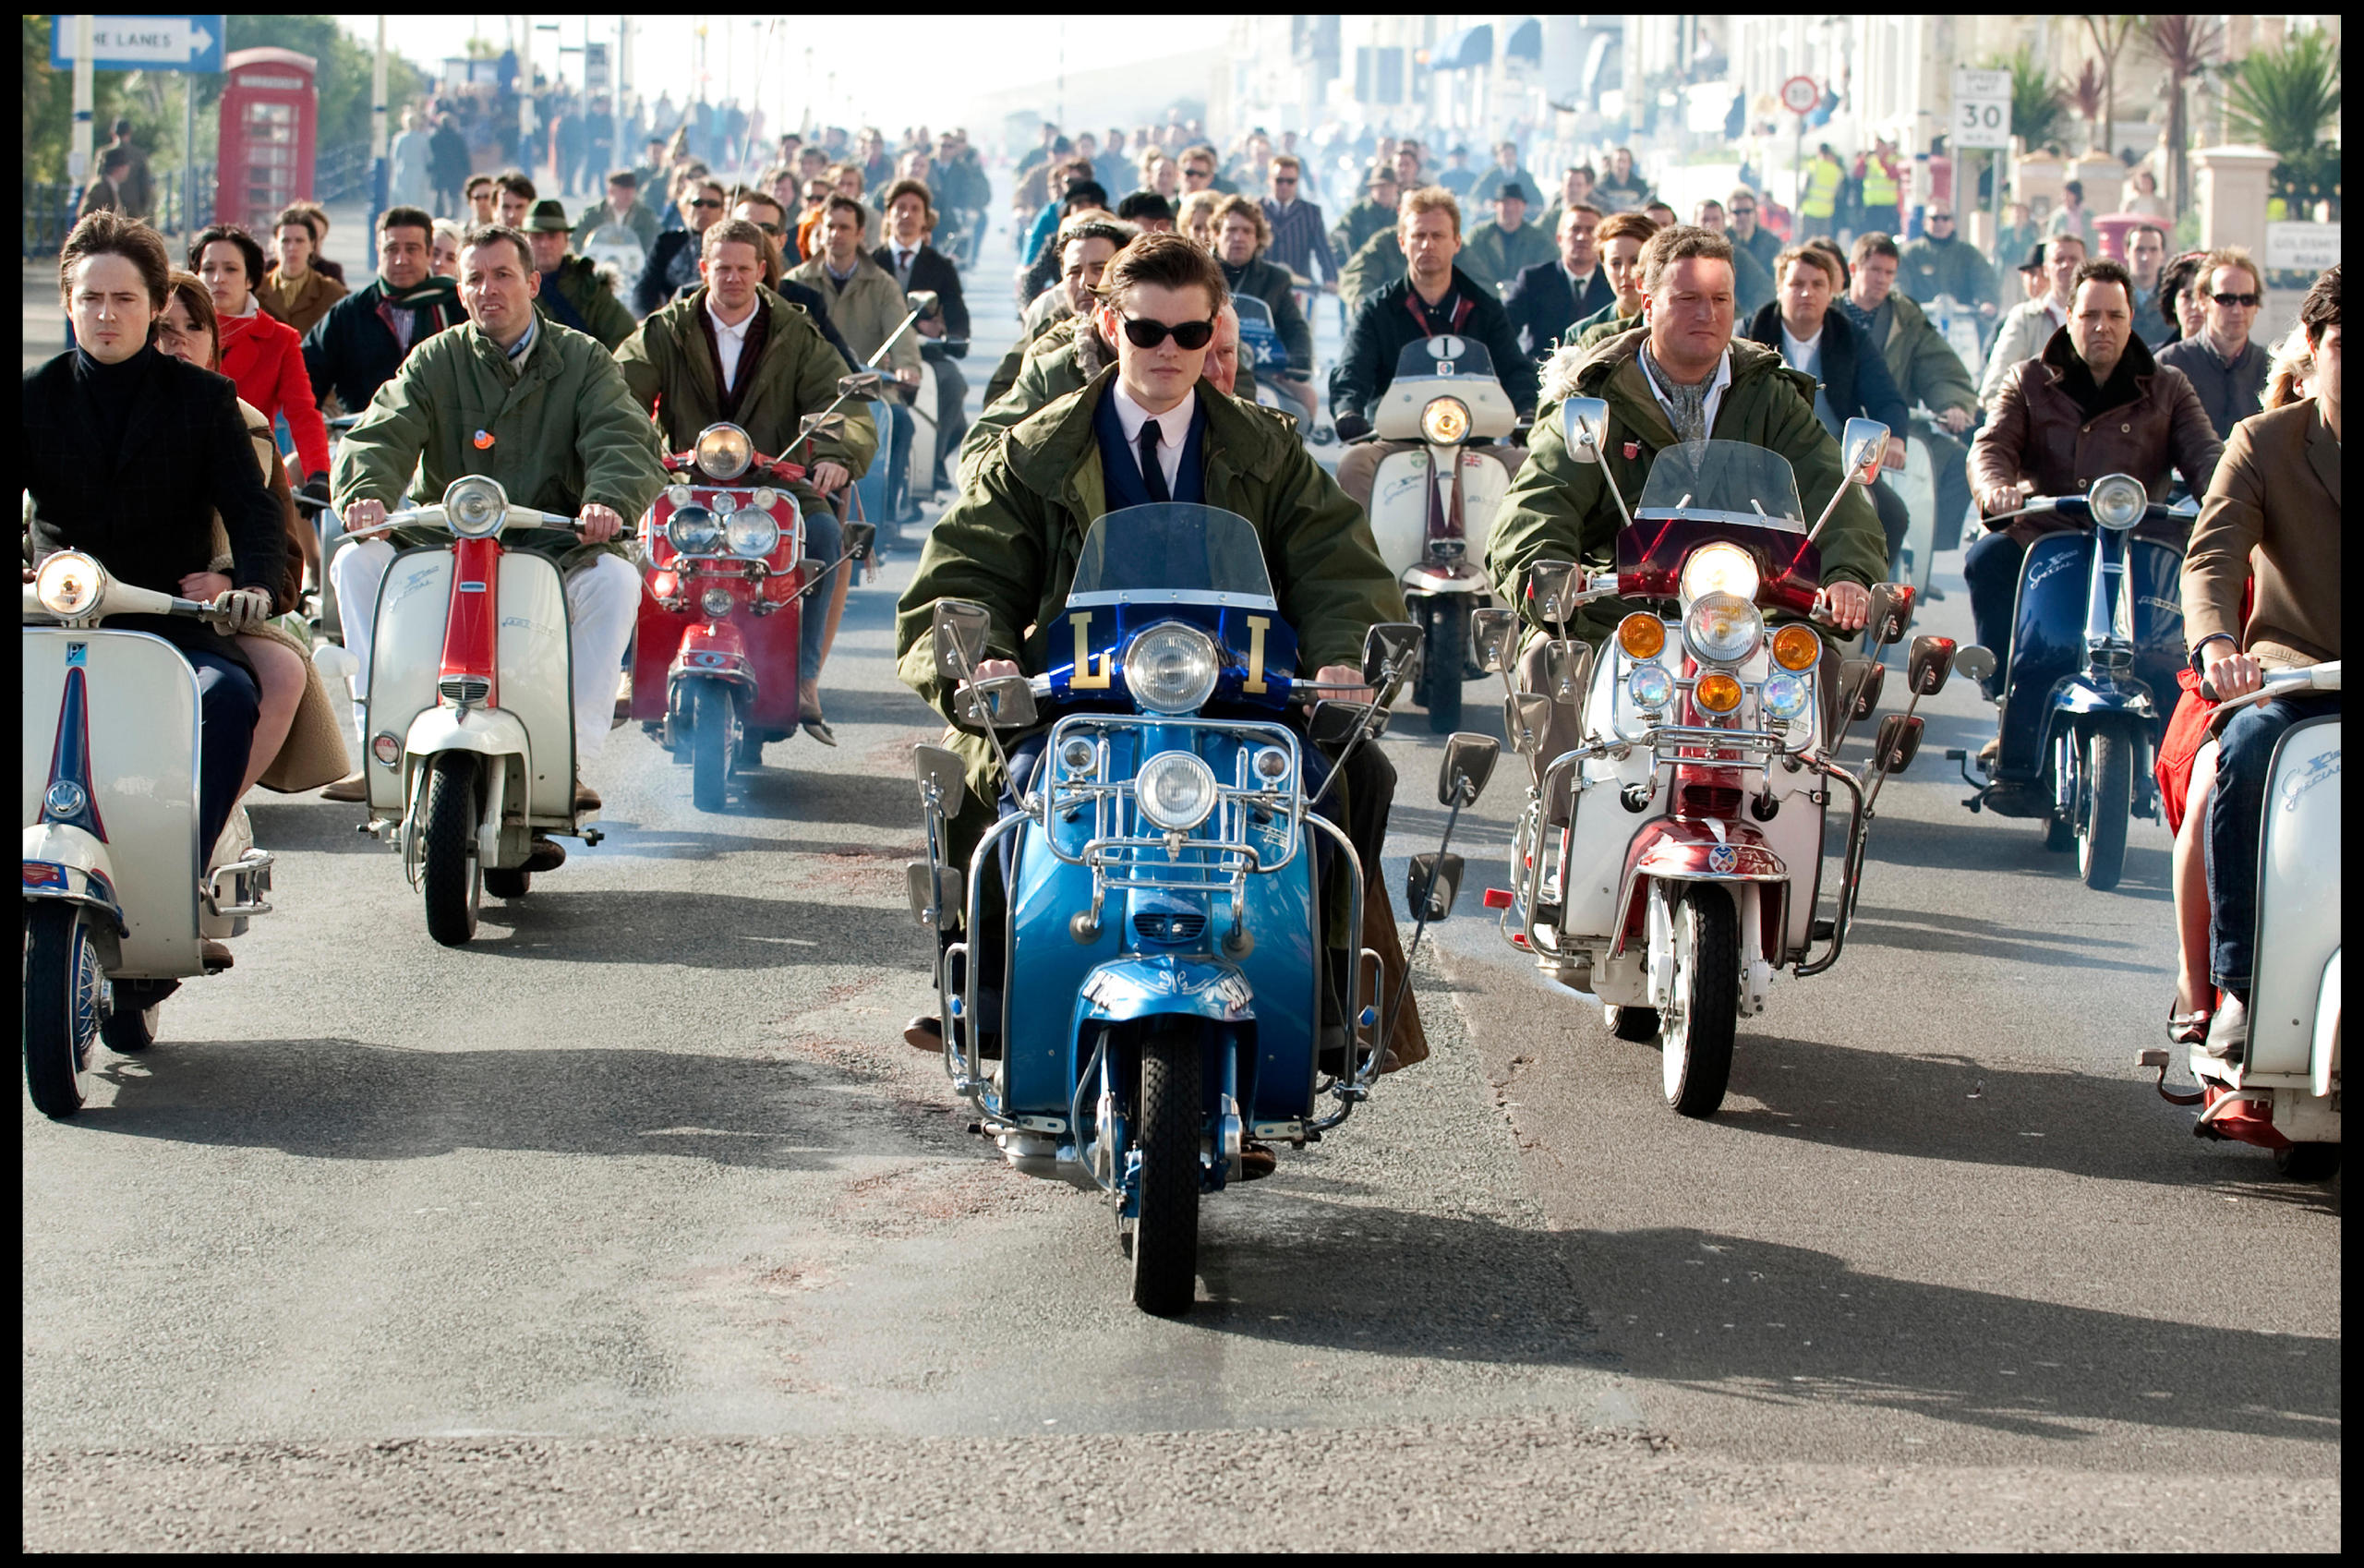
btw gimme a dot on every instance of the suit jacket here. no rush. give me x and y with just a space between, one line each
1543 305
931 268
2271 512
1854 376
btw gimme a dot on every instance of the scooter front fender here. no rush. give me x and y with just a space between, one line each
1671 849
1434 579
2079 697
68 864
1139 987
486 732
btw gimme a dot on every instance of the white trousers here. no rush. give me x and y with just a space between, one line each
603 602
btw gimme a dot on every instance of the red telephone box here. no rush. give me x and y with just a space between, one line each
270 114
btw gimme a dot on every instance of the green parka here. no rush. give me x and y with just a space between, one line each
1559 509
670 370
1492 256
1924 365
1377 263
561 430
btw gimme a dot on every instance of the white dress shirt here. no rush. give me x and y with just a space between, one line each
1173 427
730 342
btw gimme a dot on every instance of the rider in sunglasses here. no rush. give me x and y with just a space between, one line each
2224 364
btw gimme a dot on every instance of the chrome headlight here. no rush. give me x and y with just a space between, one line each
1271 765
750 532
724 451
1719 568
69 583
1445 421
1783 697
693 530
1079 757
1170 668
1175 791
2117 500
474 505
1650 686
715 601
1722 628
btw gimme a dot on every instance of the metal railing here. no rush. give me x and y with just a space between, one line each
339 173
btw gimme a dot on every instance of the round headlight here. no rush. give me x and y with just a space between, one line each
1079 756
752 533
715 601
764 499
1271 764
1717 694
1445 420
678 494
1719 568
1796 647
1170 668
1650 686
1641 635
2117 500
474 505
692 530
1175 791
69 584
724 451
1722 628
1784 697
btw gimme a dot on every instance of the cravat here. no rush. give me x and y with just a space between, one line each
1152 471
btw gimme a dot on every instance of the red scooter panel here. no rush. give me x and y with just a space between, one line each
471 634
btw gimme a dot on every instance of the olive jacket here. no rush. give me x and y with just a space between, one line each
558 430
1559 509
1923 364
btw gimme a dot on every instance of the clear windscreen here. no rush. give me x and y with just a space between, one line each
1728 480
1443 355
1172 547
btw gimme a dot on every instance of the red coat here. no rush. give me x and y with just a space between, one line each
265 358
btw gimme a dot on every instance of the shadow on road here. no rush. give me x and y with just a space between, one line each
1923 931
702 929
2009 845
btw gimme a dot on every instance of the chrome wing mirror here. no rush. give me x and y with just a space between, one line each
859 536
1551 587
1567 671
1898 742
1975 661
1388 650
861 384
1890 614
1859 681
1468 764
943 780
1526 715
961 628
1006 702
1492 634
1929 664
1585 423
1436 878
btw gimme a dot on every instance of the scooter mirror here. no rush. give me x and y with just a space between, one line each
1864 444
1468 764
1584 422
1859 681
1975 661
1550 588
961 628
1388 648
1567 671
1890 615
935 895
1930 662
1492 634
861 384
1899 742
811 568
940 772
859 537
831 425
1333 724
1006 702
924 300
1525 715
1436 877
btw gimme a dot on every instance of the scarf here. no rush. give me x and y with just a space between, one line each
1686 407
398 309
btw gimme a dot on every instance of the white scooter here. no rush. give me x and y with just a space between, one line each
471 705
615 245
1431 507
119 896
2283 1094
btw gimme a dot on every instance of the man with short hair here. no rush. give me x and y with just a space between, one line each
1147 211
1372 215
1500 250
365 337
1298 243
1409 161
1747 233
1575 190
1752 282
1505 169
672 263
865 305
2146 259
2225 364
2271 525
771 218
104 194
2093 403
622 207
914 263
1624 189
134 188
2030 325
1457 176
1198 167
544 410
572 292
1941 264
481 192
1925 369
1085 246
1684 378
1550 297
512 198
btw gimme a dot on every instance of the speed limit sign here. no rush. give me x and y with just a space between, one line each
1799 94
1982 109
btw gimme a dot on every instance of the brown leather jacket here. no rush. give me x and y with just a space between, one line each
2037 433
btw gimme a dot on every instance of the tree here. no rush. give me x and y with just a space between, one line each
2037 103
2185 47
2090 93
2110 36
2284 98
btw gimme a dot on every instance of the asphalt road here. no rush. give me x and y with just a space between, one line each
634 1224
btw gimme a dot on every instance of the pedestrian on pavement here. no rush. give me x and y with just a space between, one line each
104 194
294 290
447 165
135 187
410 180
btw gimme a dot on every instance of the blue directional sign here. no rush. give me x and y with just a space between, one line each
144 42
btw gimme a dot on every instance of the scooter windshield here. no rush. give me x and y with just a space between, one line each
1173 552
1443 355
1724 482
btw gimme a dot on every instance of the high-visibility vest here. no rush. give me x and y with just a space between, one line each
1821 199
1879 184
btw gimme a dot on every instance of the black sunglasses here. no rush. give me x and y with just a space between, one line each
2249 299
1941 217
706 203
1149 334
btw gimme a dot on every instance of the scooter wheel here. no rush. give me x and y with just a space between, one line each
1166 1238
131 1028
1634 1024
63 984
451 876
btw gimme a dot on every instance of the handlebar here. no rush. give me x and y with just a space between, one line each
2278 682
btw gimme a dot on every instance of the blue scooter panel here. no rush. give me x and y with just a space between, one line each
2048 655
1259 650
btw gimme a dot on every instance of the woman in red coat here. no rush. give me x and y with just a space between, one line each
261 354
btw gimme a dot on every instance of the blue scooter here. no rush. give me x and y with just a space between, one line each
2096 642
1156 1001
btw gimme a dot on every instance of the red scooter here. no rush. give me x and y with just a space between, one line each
714 661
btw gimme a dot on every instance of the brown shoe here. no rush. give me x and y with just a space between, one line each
215 956
544 854
925 1032
1258 1161
585 797
353 788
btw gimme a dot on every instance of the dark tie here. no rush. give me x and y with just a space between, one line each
1152 471
903 265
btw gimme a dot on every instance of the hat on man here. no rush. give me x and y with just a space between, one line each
1511 190
2034 263
547 217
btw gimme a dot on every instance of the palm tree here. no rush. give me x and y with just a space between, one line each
2110 36
2037 103
2184 47
2284 99
2090 93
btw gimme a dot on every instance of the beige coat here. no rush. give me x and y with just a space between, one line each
864 310
2273 511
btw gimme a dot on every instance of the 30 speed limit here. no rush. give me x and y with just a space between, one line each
1982 109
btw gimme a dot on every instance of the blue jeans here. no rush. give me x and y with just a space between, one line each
2235 822
228 704
824 540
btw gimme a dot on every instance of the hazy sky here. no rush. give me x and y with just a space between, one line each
892 70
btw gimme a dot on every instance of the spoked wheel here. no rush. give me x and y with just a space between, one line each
450 875
2308 1161
1636 1024
62 986
137 1014
1166 1238
1695 1031
714 743
1446 624
2101 836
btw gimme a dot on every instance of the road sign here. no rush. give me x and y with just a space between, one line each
1799 95
2307 247
143 44
595 68
1982 109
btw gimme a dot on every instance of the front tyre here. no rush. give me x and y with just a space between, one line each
1696 1032
450 875
2308 1161
714 743
63 985
1446 624
2101 840
1166 1237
